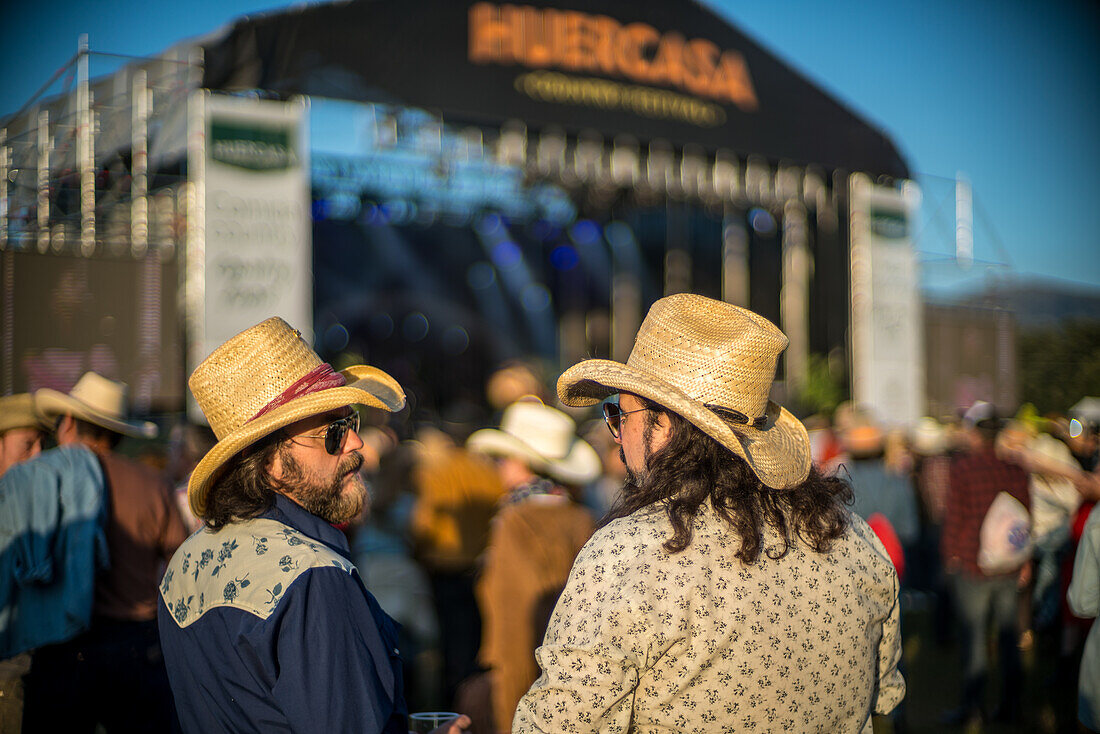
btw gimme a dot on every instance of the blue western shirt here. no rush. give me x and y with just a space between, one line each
267 627
52 544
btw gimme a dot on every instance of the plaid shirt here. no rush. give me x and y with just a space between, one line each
976 478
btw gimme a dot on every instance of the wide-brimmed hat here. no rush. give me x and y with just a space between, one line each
18 411
545 438
97 400
266 378
983 415
712 363
928 437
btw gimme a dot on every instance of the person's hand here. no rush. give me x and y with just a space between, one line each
1024 577
456 725
1088 485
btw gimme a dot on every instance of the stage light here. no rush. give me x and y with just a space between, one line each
564 258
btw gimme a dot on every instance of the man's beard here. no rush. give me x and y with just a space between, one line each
633 480
333 501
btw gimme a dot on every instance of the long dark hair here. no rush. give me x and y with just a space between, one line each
243 490
692 467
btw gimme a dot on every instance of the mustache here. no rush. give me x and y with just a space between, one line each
351 464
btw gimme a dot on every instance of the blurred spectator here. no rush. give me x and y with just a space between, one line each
22 430
1082 439
1054 501
534 539
929 443
187 444
1084 600
825 448
514 381
878 490
976 478
381 549
600 494
113 673
456 496
931 467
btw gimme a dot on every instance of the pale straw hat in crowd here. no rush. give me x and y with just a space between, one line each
264 379
98 400
545 438
928 437
18 411
712 363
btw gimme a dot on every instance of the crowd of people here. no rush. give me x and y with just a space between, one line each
693 559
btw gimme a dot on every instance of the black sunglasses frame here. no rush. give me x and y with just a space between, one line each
335 433
613 416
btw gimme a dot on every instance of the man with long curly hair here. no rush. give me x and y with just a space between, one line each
729 588
265 621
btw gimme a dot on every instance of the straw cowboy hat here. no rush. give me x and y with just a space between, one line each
266 378
18 411
928 437
543 437
97 400
712 363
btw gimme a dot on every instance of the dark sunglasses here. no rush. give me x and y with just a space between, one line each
335 432
613 417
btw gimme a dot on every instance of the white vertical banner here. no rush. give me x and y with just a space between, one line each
249 246
886 325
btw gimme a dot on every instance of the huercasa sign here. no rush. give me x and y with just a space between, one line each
541 38
255 148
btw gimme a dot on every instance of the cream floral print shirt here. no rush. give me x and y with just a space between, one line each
646 641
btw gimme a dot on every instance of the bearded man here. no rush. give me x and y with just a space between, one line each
731 589
264 620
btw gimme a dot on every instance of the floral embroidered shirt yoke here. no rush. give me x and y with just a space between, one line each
266 626
646 641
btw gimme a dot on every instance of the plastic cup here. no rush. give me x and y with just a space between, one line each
423 722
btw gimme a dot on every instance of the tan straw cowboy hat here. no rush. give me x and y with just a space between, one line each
712 363
18 411
545 438
97 400
266 378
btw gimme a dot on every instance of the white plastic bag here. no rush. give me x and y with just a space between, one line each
1005 541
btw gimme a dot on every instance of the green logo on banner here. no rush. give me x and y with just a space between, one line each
253 147
889 224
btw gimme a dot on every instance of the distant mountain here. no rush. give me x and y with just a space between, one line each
1036 302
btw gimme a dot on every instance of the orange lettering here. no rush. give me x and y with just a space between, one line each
605 29
731 81
630 46
668 65
487 34
577 43
538 36
699 58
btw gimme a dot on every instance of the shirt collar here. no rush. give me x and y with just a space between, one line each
289 512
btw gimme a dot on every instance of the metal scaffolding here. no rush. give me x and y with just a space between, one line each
99 169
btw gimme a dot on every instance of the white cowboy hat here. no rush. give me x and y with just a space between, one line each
712 363
545 438
266 378
97 400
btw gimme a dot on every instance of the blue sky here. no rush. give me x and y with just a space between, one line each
1004 91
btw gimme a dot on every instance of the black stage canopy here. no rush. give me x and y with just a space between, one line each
670 70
